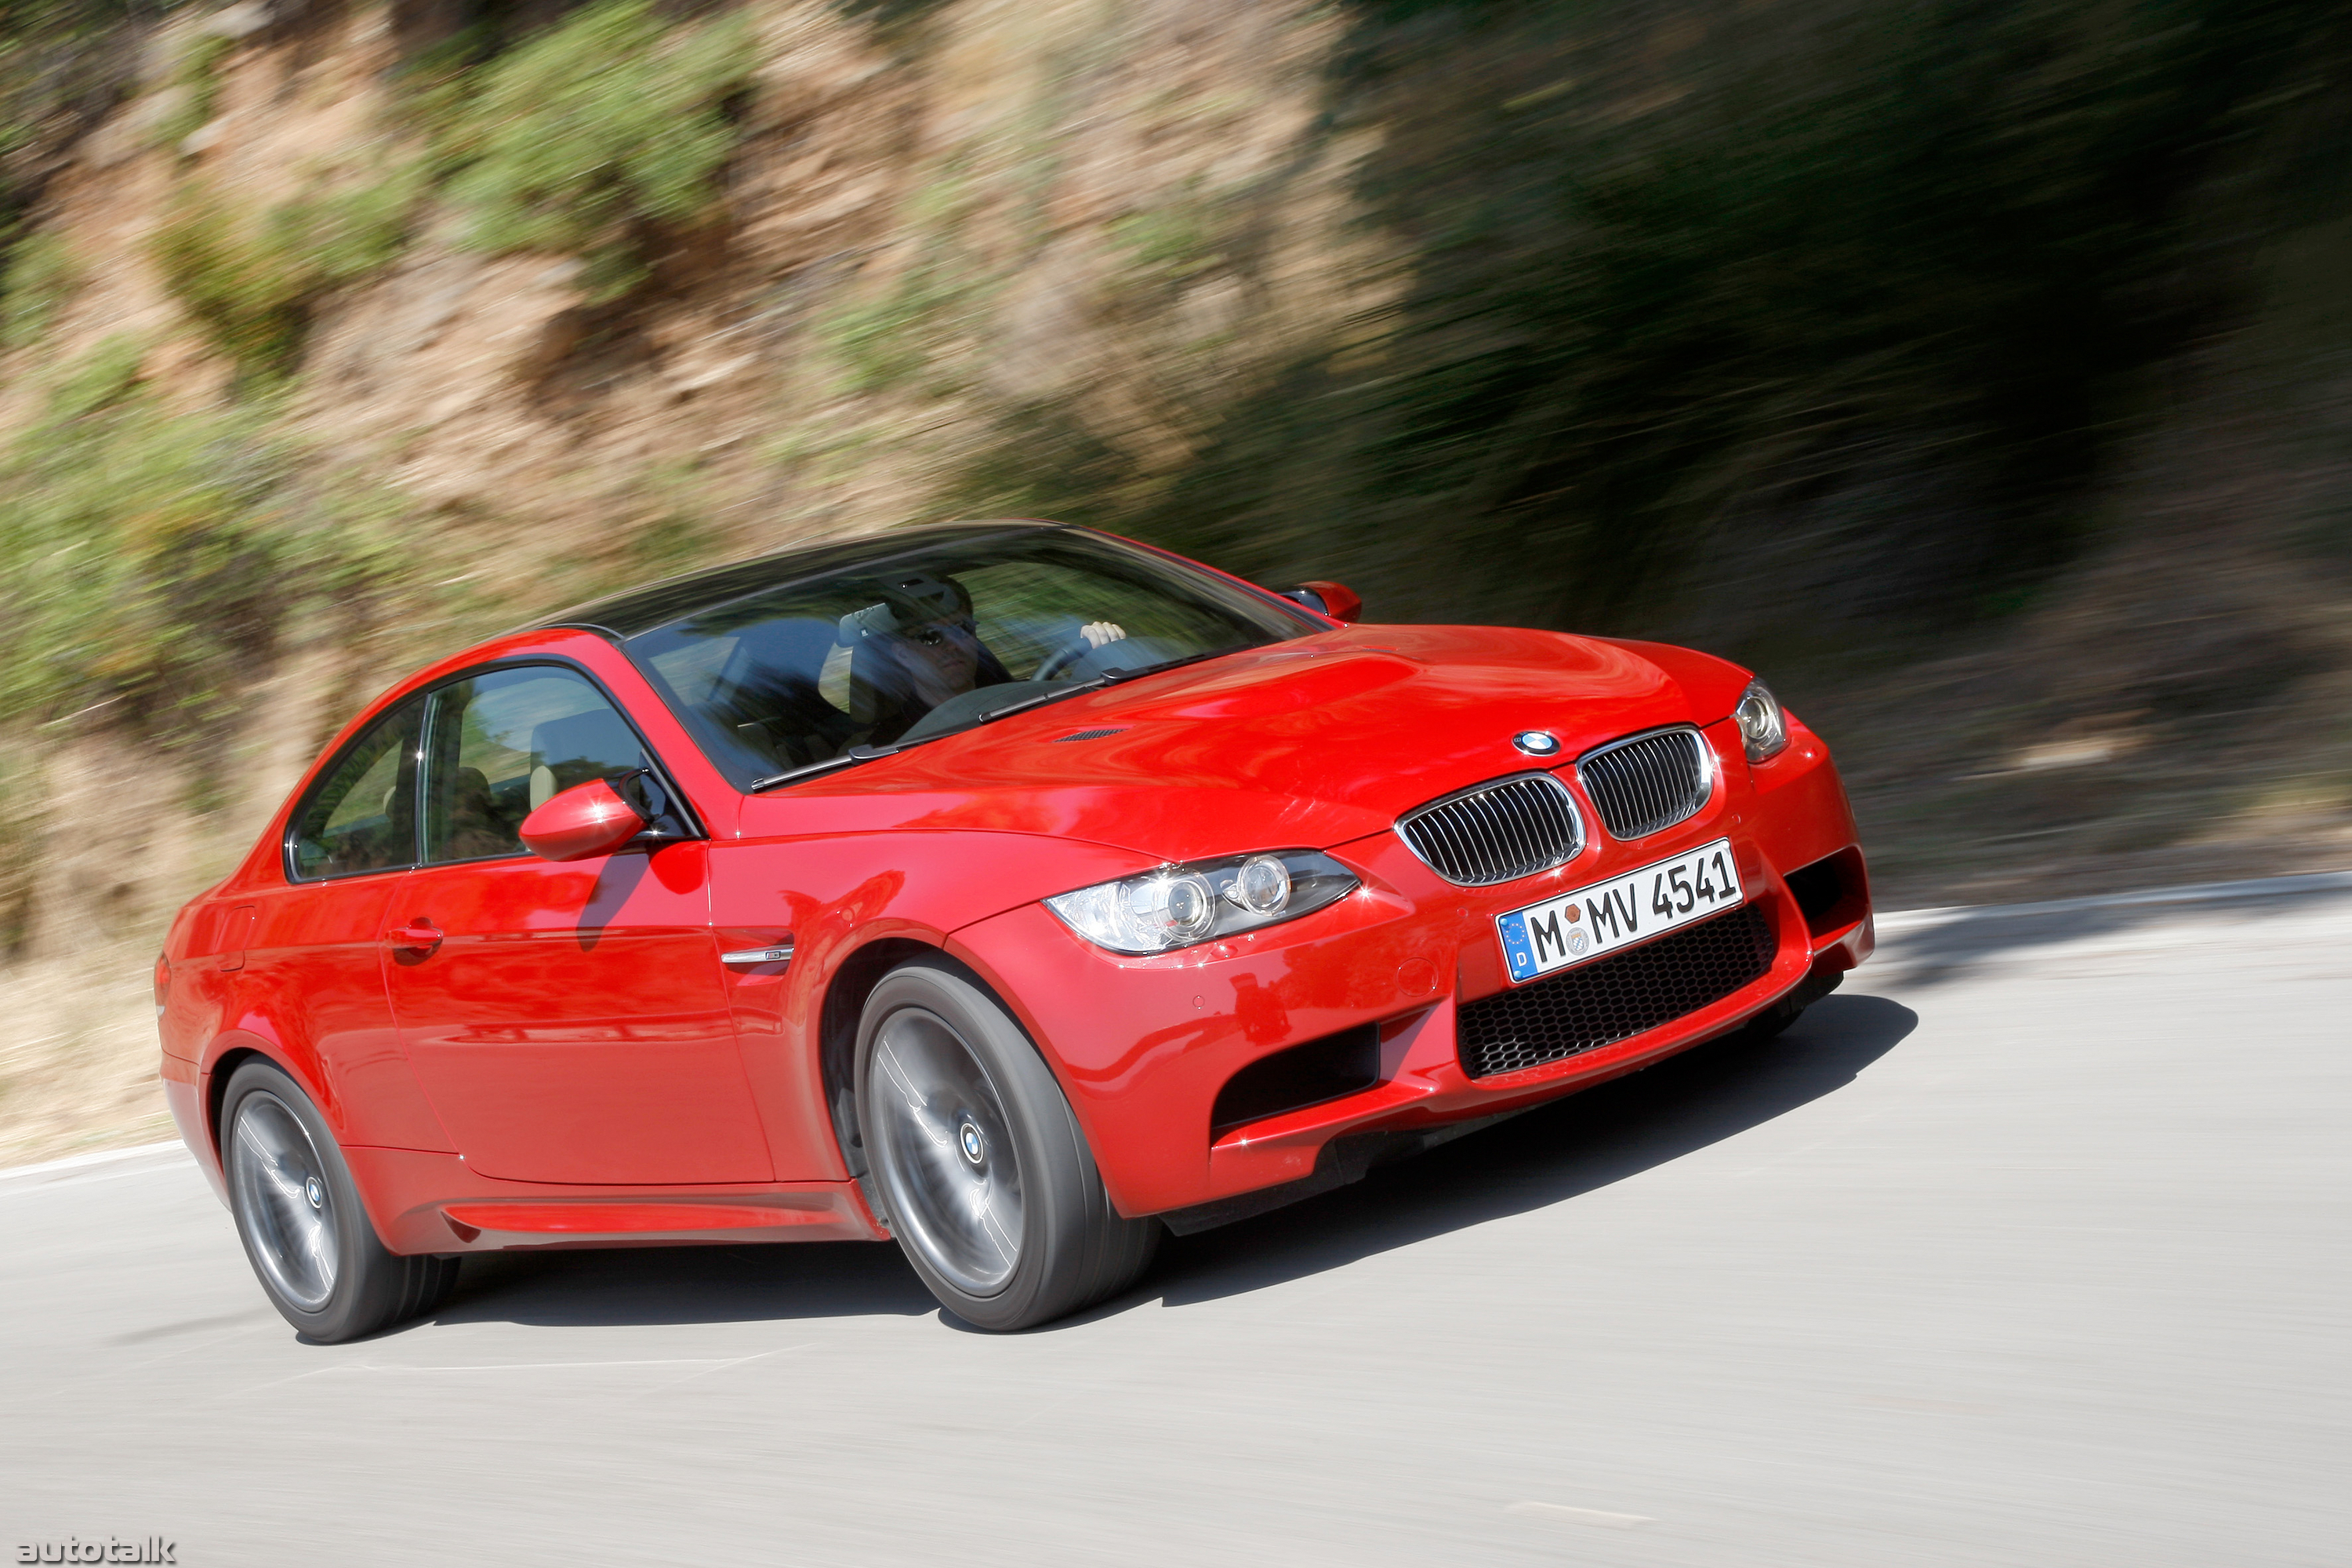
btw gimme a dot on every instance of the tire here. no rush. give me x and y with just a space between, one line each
305 1231
986 1180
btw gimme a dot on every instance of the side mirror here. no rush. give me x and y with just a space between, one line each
1336 600
584 821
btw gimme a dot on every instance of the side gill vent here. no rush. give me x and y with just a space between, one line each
1088 734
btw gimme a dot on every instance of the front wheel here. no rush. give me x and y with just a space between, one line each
988 1184
311 1243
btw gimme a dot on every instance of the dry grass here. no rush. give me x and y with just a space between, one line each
78 1069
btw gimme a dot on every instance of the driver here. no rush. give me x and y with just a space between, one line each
894 661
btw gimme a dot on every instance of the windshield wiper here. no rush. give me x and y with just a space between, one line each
868 753
1110 679
855 754
1116 676
1041 699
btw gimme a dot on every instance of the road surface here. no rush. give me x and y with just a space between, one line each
2029 1247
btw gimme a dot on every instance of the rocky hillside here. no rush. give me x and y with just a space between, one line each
1984 383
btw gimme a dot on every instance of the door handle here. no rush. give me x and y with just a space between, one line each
420 936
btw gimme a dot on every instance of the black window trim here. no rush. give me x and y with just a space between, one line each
429 697
911 543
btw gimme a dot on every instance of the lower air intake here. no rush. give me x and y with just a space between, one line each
1303 1074
1615 998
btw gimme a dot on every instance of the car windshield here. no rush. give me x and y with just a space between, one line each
911 646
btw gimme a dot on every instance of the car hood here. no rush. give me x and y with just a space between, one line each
1301 745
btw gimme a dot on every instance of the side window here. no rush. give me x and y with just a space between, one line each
504 744
362 815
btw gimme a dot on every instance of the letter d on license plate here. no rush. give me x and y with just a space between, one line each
1584 924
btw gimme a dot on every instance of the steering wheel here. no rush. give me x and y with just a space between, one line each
1063 657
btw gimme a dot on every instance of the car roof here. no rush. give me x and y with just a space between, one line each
638 610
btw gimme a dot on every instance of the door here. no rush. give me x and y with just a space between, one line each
313 949
566 1020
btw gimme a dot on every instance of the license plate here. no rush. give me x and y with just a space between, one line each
1579 926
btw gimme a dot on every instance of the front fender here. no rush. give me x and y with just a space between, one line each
839 901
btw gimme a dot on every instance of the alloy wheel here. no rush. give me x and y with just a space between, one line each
952 1174
285 1200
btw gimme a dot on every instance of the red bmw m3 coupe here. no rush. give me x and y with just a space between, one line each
1008 889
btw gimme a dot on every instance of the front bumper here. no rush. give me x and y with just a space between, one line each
1143 1045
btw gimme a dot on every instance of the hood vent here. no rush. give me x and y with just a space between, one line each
1088 734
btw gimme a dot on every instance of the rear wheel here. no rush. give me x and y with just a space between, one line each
310 1241
988 1184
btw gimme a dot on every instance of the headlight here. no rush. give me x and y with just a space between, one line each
1180 906
1762 727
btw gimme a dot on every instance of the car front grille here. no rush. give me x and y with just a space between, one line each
1512 828
1617 997
1648 782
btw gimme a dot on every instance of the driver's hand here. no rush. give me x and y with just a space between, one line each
1101 632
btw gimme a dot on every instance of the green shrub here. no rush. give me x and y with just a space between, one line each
150 561
1170 244
106 375
42 275
596 131
198 77
247 298
883 342
251 282
20 855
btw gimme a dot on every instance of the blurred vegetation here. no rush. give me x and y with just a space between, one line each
1891 285
197 80
1168 244
893 338
22 780
152 557
1869 344
151 560
63 63
251 279
42 275
595 133
1819 310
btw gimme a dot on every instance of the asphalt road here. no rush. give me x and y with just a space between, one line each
2030 1246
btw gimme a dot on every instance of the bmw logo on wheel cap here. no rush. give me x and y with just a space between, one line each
1536 742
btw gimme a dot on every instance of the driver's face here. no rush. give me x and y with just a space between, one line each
947 652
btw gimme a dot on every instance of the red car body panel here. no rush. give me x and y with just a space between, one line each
1380 957
1309 742
611 1057
564 1060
